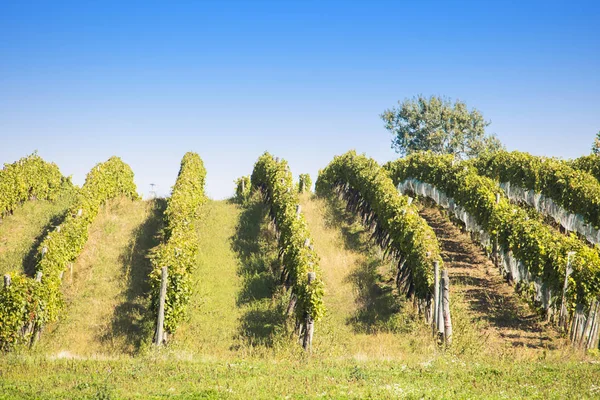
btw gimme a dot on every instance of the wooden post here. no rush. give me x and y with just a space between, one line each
161 307
440 311
591 324
6 281
574 325
587 329
298 210
562 316
309 323
446 304
38 276
291 305
593 341
495 244
436 293
243 186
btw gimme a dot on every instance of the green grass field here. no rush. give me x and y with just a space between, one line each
237 343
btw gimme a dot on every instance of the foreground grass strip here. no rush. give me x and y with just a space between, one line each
396 225
444 377
179 248
28 304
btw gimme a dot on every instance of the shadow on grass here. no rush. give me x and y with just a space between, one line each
337 217
32 257
379 308
487 296
256 247
130 318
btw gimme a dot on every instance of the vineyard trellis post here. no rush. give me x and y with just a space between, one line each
496 249
6 281
440 311
310 325
562 317
446 307
436 294
161 307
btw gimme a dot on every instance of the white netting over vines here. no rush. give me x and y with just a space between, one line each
509 264
544 205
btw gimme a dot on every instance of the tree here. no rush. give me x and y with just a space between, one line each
435 124
596 145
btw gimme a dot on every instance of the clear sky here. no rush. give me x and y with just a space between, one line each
147 81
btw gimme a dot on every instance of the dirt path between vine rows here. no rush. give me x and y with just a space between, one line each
507 319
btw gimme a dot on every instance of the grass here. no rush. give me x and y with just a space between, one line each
146 378
22 232
106 294
235 310
237 342
366 319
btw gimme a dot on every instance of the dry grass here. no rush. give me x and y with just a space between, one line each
22 232
106 294
366 319
213 314
506 323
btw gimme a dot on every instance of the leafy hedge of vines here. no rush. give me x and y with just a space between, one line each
589 164
304 183
242 189
30 177
396 225
274 179
537 246
575 190
28 303
179 248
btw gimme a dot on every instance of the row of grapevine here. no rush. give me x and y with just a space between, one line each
589 164
304 183
30 177
274 179
395 223
27 304
569 195
533 254
179 248
242 189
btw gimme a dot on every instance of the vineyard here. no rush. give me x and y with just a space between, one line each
425 277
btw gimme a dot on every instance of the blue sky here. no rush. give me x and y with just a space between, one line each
306 80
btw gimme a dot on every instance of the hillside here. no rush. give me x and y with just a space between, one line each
106 293
22 232
236 340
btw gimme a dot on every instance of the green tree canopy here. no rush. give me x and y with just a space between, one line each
596 145
438 125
